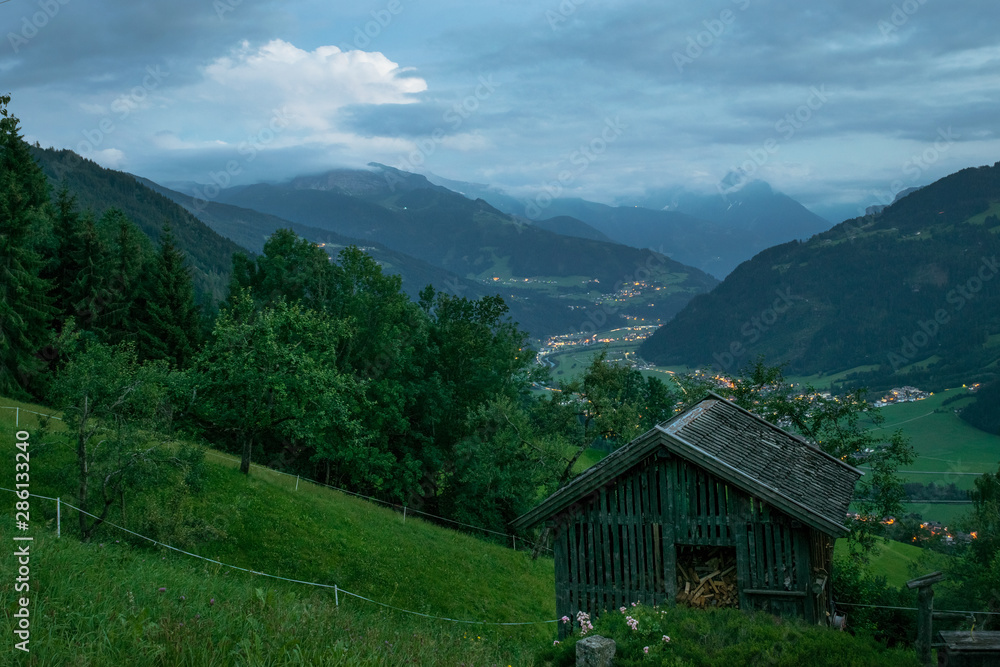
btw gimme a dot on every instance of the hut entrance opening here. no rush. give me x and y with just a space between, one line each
707 577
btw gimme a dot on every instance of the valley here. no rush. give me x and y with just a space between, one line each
578 293
391 334
948 449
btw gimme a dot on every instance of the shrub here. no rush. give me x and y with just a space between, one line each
724 637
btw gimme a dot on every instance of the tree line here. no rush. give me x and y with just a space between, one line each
323 367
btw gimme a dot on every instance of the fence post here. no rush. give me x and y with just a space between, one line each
925 613
404 513
296 482
59 517
17 416
514 537
336 596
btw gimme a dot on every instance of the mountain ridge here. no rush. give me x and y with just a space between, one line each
905 294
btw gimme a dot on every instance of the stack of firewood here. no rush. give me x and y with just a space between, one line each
708 579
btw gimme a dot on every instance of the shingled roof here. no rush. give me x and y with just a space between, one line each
739 447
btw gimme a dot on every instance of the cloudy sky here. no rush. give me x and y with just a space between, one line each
837 103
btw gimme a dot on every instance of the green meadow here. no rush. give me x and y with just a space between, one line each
435 596
948 449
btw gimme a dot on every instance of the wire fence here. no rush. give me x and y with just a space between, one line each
19 410
406 510
337 590
936 611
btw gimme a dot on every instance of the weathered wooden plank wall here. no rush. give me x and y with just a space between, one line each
620 545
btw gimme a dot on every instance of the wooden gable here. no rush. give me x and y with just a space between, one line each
714 477
738 447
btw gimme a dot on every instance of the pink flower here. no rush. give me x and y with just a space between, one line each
212 601
555 642
564 619
621 609
163 590
666 638
645 649
632 623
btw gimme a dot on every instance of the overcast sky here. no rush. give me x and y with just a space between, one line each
836 103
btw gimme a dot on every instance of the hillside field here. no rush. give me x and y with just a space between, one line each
899 562
121 599
948 449
105 594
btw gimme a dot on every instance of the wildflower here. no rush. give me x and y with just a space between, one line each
211 602
163 590
634 603
564 619
621 609
555 643
645 649
183 598
632 623
666 638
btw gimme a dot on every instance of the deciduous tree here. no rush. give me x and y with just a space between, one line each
270 372
108 400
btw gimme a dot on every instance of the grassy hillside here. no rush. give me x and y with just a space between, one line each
120 600
106 594
943 442
899 562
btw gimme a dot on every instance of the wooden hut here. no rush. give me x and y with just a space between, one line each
715 494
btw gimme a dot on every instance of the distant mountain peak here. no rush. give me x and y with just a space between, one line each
376 182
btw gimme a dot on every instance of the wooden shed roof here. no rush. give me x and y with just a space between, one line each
739 447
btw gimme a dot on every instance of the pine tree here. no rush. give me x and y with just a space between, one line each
62 270
88 293
119 320
172 320
25 221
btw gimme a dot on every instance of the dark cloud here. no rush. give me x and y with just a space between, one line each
698 85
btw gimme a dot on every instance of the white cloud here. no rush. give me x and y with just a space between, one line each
311 85
109 158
